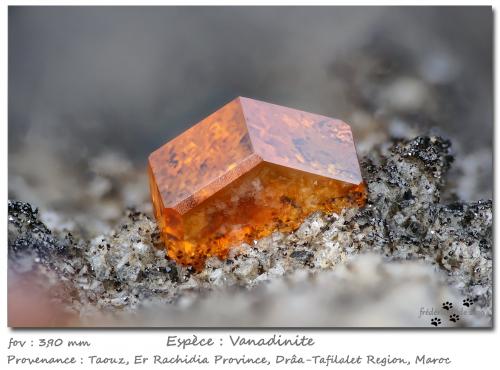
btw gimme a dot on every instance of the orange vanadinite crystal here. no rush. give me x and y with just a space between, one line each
247 170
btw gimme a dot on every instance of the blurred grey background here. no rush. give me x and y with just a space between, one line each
93 90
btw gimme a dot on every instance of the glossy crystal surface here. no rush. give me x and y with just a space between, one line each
247 170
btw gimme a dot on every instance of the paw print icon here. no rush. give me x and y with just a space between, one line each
436 321
467 302
454 318
447 305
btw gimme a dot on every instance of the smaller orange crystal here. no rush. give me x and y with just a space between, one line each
247 170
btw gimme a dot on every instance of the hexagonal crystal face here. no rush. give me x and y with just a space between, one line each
247 170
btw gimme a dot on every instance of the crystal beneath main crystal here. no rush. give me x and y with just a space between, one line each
247 170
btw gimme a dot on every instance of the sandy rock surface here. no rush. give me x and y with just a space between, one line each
377 266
